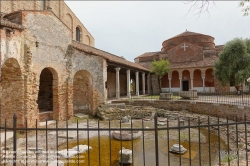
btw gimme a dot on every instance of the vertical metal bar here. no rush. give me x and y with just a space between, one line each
209 143
228 153
57 142
237 146
143 143
46 131
218 122
199 135
99 144
67 135
245 123
189 141
168 141
121 141
36 143
14 139
110 146
156 141
132 142
5 141
88 142
179 134
77 135
26 136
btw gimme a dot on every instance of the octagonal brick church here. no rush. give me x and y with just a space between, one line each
192 57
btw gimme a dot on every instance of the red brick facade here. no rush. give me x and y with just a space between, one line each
192 57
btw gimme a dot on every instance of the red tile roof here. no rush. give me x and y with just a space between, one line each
187 33
110 57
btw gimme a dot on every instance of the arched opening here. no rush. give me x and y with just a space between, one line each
12 87
209 78
164 81
197 78
186 84
87 40
83 92
69 21
175 81
47 99
78 34
45 94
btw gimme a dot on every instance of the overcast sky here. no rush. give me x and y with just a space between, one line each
129 28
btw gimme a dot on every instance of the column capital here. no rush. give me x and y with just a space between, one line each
203 77
180 78
143 74
169 78
128 71
191 78
117 69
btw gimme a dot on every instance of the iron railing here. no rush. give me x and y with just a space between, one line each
208 140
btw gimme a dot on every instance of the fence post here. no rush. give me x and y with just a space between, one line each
14 139
156 141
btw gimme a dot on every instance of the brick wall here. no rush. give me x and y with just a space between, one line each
59 8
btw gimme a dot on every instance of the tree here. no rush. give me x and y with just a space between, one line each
160 68
234 62
203 6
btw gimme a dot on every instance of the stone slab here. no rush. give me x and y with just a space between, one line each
81 115
48 123
161 124
8 136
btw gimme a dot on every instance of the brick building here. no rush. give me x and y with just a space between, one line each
191 56
50 68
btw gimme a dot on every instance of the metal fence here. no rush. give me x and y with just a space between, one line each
208 141
232 98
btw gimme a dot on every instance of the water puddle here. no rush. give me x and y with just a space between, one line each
112 147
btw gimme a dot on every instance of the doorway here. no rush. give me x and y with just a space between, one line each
185 85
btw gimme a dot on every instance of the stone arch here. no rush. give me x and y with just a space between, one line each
164 81
78 34
87 40
47 98
175 82
197 78
83 92
209 78
186 83
69 21
12 89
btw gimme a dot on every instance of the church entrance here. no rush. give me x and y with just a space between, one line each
185 85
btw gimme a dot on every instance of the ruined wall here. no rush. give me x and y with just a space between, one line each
94 65
221 110
59 8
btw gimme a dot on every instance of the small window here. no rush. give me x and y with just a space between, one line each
78 34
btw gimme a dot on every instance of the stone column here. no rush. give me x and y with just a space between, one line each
117 83
137 83
143 83
128 83
203 83
169 80
180 84
192 83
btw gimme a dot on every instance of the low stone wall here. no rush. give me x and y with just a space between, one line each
212 109
188 94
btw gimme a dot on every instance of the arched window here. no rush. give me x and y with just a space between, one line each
78 34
